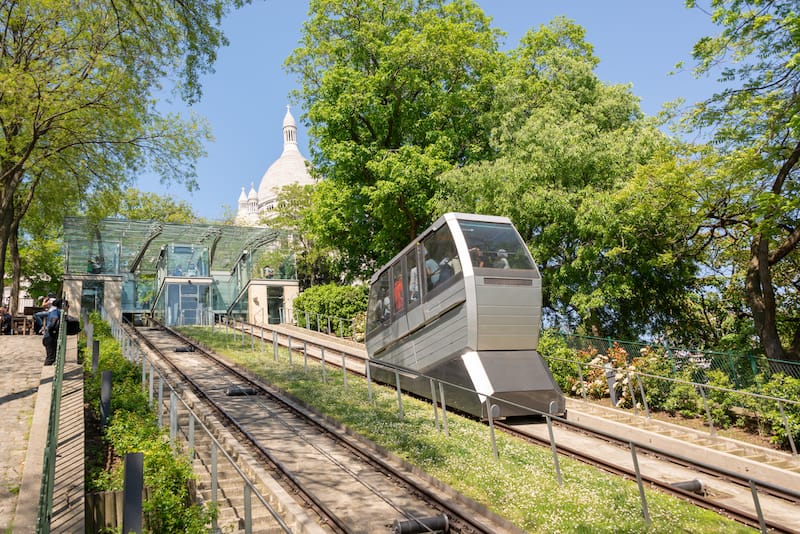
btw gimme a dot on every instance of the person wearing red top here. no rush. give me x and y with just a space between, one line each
399 302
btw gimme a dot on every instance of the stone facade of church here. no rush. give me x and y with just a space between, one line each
257 206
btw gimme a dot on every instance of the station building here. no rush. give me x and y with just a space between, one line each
180 274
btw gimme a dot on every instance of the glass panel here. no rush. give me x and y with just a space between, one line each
398 290
275 304
495 245
379 305
92 295
413 278
439 251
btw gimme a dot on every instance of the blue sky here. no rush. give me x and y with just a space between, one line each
637 41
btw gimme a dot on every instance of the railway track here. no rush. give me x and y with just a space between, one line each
770 503
346 483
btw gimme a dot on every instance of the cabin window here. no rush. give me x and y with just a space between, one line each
440 260
495 246
398 290
413 294
380 309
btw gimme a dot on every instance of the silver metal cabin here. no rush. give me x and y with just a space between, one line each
462 303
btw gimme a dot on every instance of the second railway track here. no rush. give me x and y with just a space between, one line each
777 491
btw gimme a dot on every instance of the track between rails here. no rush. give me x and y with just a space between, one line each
348 484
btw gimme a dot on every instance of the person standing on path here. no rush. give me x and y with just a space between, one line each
5 322
51 325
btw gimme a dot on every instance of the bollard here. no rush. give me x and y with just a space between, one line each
553 448
95 355
435 406
645 510
399 396
105 398
369 383
324 375
132 493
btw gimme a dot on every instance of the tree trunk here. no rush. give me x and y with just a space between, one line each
5 230
761 298
16 269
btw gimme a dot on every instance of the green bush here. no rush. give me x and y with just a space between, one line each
654 364
332 302
720 403
561 361
782 387
133 427
683 398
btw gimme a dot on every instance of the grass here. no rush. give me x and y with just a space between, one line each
521 485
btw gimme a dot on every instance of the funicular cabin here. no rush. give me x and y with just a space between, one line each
179 274
462 303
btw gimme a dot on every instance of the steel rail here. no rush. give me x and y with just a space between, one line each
730 476
457 516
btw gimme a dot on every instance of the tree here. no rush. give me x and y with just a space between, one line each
569 173
394 92
76 111
751 201
316 265
137 205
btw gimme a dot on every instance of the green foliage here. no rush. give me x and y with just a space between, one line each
395 92
720 402
748 204
332 302
568 172
316 264
653 364
133 427
782 387
79 118
138 205
560 360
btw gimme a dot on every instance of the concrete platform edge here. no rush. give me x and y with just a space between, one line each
25 516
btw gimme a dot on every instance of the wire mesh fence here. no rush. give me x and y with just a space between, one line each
742 369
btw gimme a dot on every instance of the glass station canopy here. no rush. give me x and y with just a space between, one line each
124 246
178 272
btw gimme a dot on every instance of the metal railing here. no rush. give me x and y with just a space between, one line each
45 508
169 404
632 391
439 404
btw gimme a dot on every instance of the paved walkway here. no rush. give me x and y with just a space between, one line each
25 391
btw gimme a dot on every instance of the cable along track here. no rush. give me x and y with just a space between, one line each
350 484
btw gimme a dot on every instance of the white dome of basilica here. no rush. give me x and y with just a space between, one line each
289 168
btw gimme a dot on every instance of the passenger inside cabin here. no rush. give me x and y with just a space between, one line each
502 260
431 272
398 292
413 284
445 270
476 255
